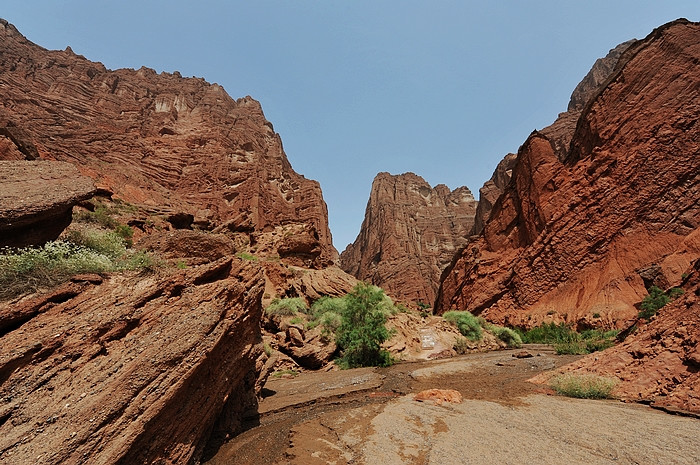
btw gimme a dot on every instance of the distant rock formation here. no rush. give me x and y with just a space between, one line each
37 199
179 146
559 133
409 235
573 237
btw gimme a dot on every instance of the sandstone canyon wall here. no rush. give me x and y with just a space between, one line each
559 133
172 144
158 365
579 237
409 234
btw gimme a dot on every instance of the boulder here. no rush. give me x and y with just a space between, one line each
37 199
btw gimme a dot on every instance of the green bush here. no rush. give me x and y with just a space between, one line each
247 256
286 306
507 335
108 243
328 304
362 330
549 333
461 345
651 304
29 269
467 324
586 386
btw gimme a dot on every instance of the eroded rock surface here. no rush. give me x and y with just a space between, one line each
559 133
660 362
409 234
37 199
181 146
132 369
569 241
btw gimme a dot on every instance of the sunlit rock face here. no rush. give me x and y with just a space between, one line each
177 145
409 235
575 236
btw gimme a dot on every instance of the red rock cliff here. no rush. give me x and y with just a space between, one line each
409 234
559 133
178 145
575 241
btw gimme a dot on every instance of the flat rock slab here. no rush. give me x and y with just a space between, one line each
36 200
284 392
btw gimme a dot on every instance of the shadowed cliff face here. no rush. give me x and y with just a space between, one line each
573 241
409 234
173 144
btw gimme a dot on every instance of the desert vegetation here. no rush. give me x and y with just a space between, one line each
567 341
583 386
28 269
656 299
471 328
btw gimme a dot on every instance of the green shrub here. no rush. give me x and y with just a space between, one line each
328 304
651 304
126 233
286 306
296 320
247 256
549 333
267 349
362 330
507 335
29 269
467 324
675 292
108 243
585 386
461 345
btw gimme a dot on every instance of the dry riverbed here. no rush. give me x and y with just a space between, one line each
368 416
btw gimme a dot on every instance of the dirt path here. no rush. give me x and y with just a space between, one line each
368 416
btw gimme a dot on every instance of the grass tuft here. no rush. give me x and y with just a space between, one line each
585 386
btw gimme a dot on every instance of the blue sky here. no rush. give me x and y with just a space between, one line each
440 88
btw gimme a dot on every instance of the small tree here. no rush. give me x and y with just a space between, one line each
651 304
362 331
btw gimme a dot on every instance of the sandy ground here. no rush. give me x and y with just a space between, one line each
369 417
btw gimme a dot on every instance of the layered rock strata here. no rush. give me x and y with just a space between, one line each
409 234
132 368
179 146
37 199
573 241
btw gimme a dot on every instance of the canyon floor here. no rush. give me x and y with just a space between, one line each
369 416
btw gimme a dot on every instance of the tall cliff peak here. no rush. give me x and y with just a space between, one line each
172 144
409 234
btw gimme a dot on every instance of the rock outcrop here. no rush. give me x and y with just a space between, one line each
559 133
130 368
37 199
180 146
409 234
660 362
573 240
492 190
